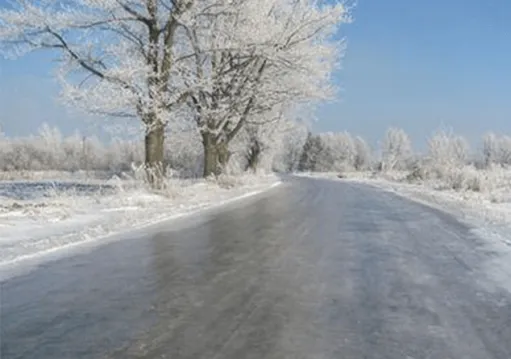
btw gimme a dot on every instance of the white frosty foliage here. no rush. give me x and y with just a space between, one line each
218 64
259 56
268 139
49 150
116 57
338 152
291 148
447 150
396 150
363 155
497 149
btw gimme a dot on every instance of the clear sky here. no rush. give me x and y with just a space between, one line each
414 64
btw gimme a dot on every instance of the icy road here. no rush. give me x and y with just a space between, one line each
311 269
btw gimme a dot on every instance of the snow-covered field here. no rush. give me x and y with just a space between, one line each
38 218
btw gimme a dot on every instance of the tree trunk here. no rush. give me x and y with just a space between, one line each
154 139
253 157
210 155
210 161
216 155
223 154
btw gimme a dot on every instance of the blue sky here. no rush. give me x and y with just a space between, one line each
413 64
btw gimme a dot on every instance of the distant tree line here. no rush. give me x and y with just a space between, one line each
286 148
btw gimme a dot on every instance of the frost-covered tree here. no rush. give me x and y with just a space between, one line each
49 141
259 55
497 149
291 147
117 57
49 149
330 152
396 150
263 140
505 150
338 152
94 153
447 150
144 59
363 155
490 148
183 153
447 161
311 151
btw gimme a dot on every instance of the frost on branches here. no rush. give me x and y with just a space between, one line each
396 150
497 150
218 64
338 152
447 150
117 58
259 55
265 139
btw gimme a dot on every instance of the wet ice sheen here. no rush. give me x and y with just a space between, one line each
314 269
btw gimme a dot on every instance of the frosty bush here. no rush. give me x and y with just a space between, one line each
447 151
396 150
496 150
363 155
461 179
284 146
49 150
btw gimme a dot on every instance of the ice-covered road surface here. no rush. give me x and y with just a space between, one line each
311 269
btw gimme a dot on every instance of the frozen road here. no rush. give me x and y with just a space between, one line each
312 269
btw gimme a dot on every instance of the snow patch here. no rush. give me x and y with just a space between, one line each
33 229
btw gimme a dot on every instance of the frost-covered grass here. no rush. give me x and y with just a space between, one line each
87 176
42 218
472 194
491 201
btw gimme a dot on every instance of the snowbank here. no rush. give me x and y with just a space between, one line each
36 221
490 205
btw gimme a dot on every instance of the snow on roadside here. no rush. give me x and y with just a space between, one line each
488 219
488 213
469 206
80 175
489 207
32 228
